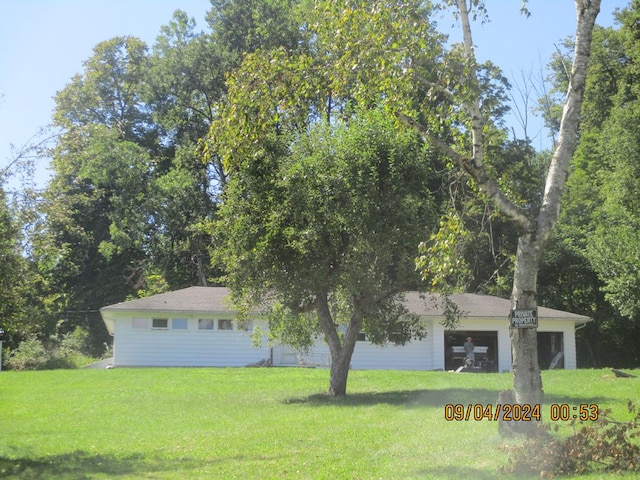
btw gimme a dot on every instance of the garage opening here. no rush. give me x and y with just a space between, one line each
486 349
550 350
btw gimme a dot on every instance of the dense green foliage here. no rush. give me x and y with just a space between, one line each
127 209
11 265
333 216
326 199
72 350
592 265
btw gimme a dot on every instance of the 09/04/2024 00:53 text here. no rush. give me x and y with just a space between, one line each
516 412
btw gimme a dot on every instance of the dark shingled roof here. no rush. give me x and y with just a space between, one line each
192 299
476 305
213 300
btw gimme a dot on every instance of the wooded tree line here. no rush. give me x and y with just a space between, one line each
265 153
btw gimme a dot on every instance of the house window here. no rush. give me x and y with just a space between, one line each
179 323
362 337
225 324
205 324
160 323
140 323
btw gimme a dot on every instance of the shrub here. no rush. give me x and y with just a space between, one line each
76 341
30 355
75 348
603 445
68 351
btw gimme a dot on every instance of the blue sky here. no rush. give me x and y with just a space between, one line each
44 42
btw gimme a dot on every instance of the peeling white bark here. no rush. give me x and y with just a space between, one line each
475 165
586 13
532 232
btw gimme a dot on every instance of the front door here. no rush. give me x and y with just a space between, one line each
288 355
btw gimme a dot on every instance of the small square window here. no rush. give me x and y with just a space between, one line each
205 324
160 323
140 323
180 324
362 337
225 324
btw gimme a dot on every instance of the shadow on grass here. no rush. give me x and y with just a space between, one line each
408 398
82 465
575 401
426 398
456 471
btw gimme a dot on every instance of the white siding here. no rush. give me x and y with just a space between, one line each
415 355
570 358
504 348
183 348
317 356
436 336
284 355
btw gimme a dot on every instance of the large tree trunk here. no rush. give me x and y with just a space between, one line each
532 234
201 274
341 349
527 381
340 363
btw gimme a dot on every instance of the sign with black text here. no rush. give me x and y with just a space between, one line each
524 318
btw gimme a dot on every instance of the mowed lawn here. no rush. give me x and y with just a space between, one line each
270 423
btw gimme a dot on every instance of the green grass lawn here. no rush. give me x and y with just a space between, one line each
273 423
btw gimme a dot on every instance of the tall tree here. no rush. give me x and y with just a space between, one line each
244 26
12 275
343 245
130 200
90 242
327 223
613 249
599 224
186 82
187 85
110 93
534 227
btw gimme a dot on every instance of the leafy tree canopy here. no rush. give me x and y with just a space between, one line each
328 222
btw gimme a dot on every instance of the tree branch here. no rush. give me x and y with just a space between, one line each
326 322
477 172
586 11
474 105
427 135
436 87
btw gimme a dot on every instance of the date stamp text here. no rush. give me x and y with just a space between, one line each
458 412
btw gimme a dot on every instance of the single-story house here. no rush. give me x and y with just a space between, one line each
194 327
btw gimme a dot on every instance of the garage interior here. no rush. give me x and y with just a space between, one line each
550 349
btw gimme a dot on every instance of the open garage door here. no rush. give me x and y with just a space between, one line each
486 349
